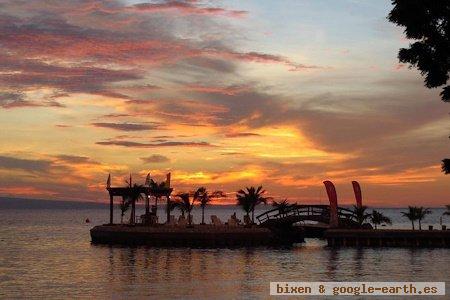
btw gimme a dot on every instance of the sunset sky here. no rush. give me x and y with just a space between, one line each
223 94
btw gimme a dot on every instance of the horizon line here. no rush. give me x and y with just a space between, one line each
163 204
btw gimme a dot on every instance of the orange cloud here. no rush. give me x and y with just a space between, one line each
26 191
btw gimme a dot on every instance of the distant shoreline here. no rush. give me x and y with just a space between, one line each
16 203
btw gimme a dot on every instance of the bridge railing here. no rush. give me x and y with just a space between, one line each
345 213
276 213
304 210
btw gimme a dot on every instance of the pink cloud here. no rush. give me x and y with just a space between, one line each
266 58
187 7
224 90
399 66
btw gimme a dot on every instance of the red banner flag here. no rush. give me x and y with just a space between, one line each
168 180
108 182
358 195
332 196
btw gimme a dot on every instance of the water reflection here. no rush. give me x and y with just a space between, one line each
332 262
48 262
359 261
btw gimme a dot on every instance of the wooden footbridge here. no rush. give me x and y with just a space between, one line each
324 216
301 213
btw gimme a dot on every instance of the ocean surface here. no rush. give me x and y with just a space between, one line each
45 253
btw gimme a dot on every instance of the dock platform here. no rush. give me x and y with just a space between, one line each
387 238
194 236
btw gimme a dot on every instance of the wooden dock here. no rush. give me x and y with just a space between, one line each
195 236
387 238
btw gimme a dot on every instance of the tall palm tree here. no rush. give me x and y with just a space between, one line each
187 204
359 213
134 194
282 205
421 214
172 206
178 203
411 214
203 197
378 218
251 196
159 190
124 206
245 203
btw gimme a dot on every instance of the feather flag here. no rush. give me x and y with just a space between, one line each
358 195
332 196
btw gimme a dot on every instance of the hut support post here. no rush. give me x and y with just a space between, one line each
147 205
111 209
168 209
133 212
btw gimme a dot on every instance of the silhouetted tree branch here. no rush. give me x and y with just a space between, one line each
446 166
427 23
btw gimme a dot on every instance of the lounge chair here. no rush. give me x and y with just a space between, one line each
182 221
233 216
232 222
172 221
153 219
216 221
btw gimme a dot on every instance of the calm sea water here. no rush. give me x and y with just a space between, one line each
46 253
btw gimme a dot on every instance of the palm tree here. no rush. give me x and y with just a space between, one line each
251 197
446 166
159 190
245 203
124 206
202 195
411 214
186 204
378 218
282 205
421 214
447 213
134 194
359 213
172 205
178 203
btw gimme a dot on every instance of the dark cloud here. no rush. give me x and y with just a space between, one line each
22 74
241 134
18 99
230 90
74 159
232 153
132 144
156 158
12 100
116 115
31 165
128 126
